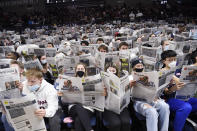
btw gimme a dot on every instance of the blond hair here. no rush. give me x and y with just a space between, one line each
34 73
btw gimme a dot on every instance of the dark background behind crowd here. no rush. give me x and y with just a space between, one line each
75 13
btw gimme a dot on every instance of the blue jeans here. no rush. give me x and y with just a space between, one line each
158 112
182 110
6 125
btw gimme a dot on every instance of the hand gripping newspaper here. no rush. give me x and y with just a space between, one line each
118 91
20 113
9 79
149 85
87 91
189 77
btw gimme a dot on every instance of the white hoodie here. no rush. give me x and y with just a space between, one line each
46 97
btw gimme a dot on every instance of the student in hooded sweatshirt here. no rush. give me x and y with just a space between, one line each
46 98
156 112
181 108
46 95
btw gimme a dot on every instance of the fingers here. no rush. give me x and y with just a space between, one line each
147 106
60 93
132 83
40 112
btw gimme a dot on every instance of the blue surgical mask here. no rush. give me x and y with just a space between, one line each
167 47
34 88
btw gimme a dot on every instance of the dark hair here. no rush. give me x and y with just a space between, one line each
123 44
147 45
103 47
114 66
193 57
99 39
136 61
50 43
15 55
85 42
162 42
167 54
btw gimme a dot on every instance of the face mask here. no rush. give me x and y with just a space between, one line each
172 64
34 88
80 73
166 47
43 61
139 69
111 71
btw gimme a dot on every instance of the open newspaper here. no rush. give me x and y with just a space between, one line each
20 113
87 91
149 85
5 63
33 64
9 89
68 63
118 91
189 77
149 53
50 55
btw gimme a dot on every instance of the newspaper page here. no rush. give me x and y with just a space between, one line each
87 59
149 53
118 91
8 49
33 64
164 81
146 86
100 60
93 89
124 57
71 87
87 91
9 89
20 113
4 63
2 52
189 77
189 74
110 58
88 49
68 62
50 55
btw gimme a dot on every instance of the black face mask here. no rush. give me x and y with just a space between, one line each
80 73
139 69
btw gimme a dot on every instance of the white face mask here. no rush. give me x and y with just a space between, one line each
43 61
167 47
172 64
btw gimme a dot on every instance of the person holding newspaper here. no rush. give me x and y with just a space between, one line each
181 108
155 111
80 114
46 97
116 122
46 72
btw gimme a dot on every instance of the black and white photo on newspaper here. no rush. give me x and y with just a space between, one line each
118 91
88 91
20 113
